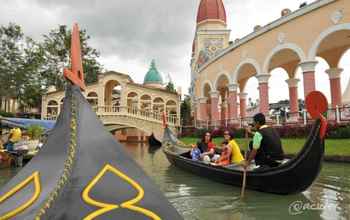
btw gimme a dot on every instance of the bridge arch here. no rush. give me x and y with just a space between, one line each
206 88
317 44
92 98
284 55
52 108
113 90
250 65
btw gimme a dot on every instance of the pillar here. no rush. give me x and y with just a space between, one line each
308 69
264 93
293 98
214 98
334 80
202 109
232 101
243 104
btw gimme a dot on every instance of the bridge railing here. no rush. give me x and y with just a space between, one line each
137 113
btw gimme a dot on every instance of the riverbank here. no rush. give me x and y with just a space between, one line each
336 150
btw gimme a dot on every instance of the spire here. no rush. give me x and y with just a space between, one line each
211 10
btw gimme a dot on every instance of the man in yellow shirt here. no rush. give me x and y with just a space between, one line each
236 155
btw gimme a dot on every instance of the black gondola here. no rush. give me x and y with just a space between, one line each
153 142
82 173
293 176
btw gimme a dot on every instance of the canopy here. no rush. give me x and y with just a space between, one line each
25 122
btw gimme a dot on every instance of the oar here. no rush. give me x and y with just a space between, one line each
244 181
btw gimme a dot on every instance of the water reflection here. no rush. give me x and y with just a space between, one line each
199 198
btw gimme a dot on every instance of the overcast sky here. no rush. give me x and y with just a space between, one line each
130 33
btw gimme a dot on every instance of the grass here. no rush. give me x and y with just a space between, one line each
334 147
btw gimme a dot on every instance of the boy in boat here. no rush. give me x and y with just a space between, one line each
195 153
225 158
266 148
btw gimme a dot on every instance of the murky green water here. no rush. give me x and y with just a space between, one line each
199 198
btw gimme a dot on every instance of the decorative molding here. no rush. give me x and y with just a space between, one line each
214 94
300 12
243 95
308 66
281 38
232 87
292 82
336 16
263 78
334 73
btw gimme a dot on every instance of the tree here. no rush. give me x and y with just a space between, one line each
170 87
185 109
20 59
56 48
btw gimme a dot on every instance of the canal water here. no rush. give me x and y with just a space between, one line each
197 198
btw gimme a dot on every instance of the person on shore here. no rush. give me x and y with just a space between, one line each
266 148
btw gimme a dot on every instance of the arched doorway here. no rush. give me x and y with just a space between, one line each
171 110
112 100
132 102
92 99
52 109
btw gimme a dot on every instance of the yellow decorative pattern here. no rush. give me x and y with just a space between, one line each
37 189
68 164
106 207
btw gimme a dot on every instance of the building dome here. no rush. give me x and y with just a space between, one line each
153 77
211 10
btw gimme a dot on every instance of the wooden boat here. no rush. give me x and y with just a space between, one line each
293 176
81 172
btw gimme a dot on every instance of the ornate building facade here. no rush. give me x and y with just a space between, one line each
220 68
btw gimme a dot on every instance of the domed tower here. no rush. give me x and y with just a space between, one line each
153 78
211 34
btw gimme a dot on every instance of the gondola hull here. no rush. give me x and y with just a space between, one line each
292 177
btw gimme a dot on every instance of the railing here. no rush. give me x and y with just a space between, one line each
157 117
340 115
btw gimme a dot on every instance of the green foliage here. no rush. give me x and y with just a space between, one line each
28 68
6 114
56 47
185 109
170 87
35 131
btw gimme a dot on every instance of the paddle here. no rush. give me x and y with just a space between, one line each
244 181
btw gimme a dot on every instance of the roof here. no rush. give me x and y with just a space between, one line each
153 76
211 10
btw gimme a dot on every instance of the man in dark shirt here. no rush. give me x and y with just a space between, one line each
266 148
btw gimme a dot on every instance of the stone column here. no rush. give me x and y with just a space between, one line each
264 93
232 101
243 104
202 109
214 98
293 98
308 68
334 80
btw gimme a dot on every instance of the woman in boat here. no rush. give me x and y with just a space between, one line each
234 150
207 148
266 148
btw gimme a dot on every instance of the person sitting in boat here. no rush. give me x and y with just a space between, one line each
207 149
266 148
15 136
195 152
234 150
225 158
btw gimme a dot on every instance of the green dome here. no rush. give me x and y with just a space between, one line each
153 76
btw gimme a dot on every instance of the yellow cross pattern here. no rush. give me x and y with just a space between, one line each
106 207
35 179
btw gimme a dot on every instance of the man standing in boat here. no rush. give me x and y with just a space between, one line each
266 148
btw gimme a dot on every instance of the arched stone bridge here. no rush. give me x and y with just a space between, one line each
147 122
